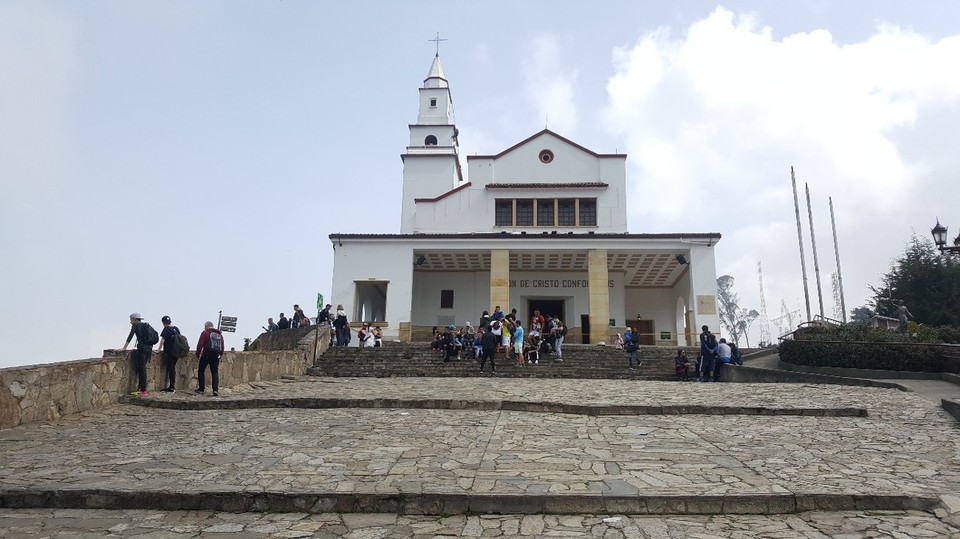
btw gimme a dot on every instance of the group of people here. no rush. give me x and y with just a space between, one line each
299 319
502 333
712 353
209 351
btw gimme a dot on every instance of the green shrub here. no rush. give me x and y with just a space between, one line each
891 356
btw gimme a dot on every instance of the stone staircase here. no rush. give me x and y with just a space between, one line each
416 359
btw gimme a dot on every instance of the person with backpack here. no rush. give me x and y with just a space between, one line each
146 338
630 347
209 351
708 350
173 346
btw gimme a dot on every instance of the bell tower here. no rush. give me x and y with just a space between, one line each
431 164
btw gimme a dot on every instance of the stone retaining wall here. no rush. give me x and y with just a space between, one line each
747 374
48 392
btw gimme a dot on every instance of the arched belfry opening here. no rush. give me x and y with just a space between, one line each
430 141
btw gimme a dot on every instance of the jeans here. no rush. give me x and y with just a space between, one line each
559 346
170 361
213 361
631 357
140 358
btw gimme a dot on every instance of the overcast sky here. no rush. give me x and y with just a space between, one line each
185 158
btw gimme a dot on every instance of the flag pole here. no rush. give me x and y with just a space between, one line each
803 264
836 251
813 245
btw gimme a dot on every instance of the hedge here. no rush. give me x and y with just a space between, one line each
892 356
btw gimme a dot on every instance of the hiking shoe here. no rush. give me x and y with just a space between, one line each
216 393
536 362
168 390
135 393
143 393
200 391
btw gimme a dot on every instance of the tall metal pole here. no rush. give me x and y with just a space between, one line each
836 252
813 245
803 263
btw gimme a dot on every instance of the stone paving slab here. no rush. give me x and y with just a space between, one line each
675 396
36 523
903 455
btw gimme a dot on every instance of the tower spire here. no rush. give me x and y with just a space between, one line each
437 40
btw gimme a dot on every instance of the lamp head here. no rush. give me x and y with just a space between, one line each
939 234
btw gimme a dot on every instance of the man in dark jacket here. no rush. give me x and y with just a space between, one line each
283 323
144 349
708 349
168 339
488 350
209 351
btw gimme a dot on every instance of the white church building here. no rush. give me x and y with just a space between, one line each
541 225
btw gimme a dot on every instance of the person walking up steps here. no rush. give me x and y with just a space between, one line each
209 352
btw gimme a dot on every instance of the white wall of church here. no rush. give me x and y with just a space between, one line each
473 209
424 177
703 280
471 293
659 305
364 262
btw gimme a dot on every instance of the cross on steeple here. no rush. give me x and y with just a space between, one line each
437 40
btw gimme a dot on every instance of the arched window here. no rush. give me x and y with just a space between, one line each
430 141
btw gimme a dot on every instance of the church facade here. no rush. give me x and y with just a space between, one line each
541 225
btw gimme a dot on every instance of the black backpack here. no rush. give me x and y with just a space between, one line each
181 346
711 341
151 336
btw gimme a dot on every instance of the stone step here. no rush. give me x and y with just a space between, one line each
245 402
440 503
417 359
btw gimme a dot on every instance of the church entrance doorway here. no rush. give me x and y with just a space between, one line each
553 307
645 329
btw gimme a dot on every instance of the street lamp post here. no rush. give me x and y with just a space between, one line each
940 238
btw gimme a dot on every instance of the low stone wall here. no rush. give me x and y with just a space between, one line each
48 392
746 374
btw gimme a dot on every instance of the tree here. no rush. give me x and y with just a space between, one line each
861 314
927 282
736 320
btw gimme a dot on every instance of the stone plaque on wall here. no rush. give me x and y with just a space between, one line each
707 304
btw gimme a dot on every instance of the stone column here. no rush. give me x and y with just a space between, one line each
599 296
500 279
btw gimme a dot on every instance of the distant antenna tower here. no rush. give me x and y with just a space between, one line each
837 296
785 320
764 319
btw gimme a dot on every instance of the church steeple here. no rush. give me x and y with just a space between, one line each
435 78
436 102
431 164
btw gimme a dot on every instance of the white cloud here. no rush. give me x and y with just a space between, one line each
550 86
715 117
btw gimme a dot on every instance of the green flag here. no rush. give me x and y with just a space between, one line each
319 301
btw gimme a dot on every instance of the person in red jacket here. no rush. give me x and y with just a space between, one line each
209 351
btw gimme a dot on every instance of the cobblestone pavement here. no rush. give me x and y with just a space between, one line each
905 448
31 523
